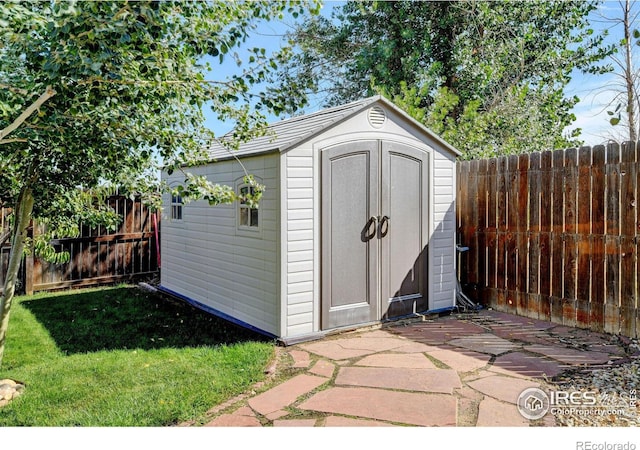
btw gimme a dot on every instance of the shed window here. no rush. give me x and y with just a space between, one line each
248 217
176 207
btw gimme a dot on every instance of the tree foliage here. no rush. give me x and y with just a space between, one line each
488 76
131 80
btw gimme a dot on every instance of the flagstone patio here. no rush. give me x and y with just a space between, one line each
465 370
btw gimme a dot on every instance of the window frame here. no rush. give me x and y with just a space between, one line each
247 230
177 208
242 206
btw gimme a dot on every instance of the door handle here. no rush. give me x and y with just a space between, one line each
383 226
367 233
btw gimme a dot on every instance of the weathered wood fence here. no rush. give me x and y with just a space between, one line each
555 235
97 256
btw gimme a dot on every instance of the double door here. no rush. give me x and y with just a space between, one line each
374 232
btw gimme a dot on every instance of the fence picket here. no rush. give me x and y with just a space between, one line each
533 235
471 257
583 214
480 235
557 235
513 227
628 250
612 239
96 256
502 175
546 169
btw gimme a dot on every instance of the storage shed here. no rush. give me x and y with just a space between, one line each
356 225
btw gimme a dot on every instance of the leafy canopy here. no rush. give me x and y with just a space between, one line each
131 80
117 86
489 77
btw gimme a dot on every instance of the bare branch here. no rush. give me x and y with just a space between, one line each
48 93
12 140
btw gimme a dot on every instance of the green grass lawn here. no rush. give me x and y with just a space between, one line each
120 357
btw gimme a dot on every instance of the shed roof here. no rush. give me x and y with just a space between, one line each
285 134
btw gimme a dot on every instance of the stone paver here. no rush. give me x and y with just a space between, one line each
400 361
528 365
461 361
493 319
285 394
570 355
300 358
508 326
525 335
275 415
562 330
477 375
336 350
493 413
502 388
295 423
414 347
391 406
485 343
352 347
419 380
323 368
338 421
242 417
438 332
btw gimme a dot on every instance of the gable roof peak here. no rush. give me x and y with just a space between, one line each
287 133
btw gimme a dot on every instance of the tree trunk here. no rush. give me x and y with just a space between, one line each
23 212
628 75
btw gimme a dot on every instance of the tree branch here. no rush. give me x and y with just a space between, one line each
14 89
48 93
9 141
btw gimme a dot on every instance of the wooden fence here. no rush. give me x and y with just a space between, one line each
555 235
97 256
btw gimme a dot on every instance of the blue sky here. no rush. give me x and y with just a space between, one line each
269 35
597 92
594 91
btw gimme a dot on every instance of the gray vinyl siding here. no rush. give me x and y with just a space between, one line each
299 263
207 259
442 242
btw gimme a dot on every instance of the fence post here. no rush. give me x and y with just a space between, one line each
612 240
